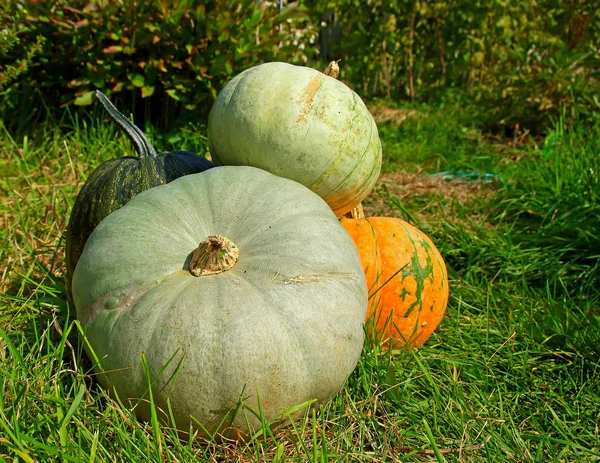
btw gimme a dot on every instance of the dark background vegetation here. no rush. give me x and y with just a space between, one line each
509 62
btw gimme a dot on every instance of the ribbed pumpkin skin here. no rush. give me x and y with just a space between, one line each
301 124
408 307
114 183
285 323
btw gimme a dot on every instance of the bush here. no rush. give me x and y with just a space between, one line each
510 63
173 55
513 63
9 71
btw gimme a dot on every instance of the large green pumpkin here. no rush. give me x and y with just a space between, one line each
113 183
298 123
235 284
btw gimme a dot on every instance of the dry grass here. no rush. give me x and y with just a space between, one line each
437 197
384 114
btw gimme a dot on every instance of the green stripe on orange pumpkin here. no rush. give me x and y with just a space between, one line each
406 276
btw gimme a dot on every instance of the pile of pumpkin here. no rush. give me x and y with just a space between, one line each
221 294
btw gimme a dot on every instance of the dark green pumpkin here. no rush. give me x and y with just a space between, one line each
112 184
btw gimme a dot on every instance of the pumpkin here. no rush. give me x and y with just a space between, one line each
236 285
406 276
298 123
115 182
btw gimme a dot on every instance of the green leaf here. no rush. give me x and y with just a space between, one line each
112 49
84 100
256 18
78 82
147 91
136 79
173 94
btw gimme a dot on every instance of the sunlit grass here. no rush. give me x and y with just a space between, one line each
512 373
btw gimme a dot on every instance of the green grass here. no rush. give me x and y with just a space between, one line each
512 374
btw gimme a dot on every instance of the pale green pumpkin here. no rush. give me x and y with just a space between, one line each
301 124
275 313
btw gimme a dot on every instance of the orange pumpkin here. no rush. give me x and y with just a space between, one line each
406 276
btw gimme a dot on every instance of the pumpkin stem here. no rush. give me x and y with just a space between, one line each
332 69
142 144
214 255
357 213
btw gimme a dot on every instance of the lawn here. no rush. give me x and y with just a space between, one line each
512 373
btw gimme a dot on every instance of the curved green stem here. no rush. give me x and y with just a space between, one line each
142 144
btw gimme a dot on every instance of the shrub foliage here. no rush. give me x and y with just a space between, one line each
510 63
176 53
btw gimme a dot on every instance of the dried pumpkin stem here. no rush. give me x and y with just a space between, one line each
356 213
215 254
332 70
